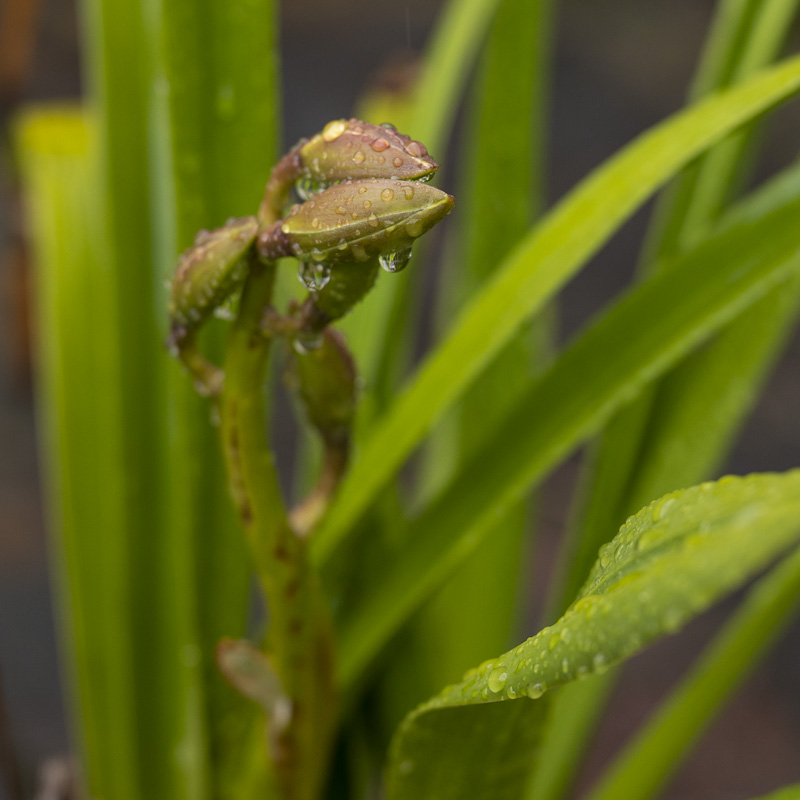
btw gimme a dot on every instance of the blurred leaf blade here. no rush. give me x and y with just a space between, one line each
79 440
472 616
533 272
669 562
217 129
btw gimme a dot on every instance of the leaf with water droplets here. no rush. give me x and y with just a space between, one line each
667 564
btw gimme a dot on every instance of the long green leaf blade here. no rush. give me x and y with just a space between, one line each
534 271
643 767
571 400
80 443
668 563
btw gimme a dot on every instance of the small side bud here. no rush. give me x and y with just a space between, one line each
352 149
210 271
356 221
326 382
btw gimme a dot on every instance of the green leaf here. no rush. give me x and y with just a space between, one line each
668 563
373 327
668 737
83 459
536 269
473 615
569 402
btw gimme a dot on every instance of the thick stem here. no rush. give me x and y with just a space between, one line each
300 638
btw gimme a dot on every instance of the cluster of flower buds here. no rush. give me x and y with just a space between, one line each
366 202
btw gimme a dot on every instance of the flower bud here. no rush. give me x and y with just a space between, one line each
210 270
356 221
326 380
352 149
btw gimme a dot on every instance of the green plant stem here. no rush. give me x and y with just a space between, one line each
643 767
299 636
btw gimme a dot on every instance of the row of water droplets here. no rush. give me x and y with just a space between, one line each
316 277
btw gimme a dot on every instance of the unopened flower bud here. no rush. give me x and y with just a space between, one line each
356 221
326 378
210 270
350 148
347 149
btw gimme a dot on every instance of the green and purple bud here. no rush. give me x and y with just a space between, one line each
352 149
357 221
210 271
326 381
347 149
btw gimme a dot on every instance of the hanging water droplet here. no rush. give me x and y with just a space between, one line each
313 276
394 262
306 344
226 310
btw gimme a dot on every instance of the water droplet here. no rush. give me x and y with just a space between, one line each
394 262
373 222
313 276
305 345
425 178
362 190
408 191
416 149
397 161
606 559
415 228
497 680
359 157
333 130
381 159
389 126
387 194
226 101
672 619
379 145
661 508
535 690
341 210
226 311
599 663
366 204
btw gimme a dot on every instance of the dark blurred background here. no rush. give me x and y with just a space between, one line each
620 67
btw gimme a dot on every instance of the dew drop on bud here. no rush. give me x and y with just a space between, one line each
226 310
313 276
394 262
333 130
305 345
